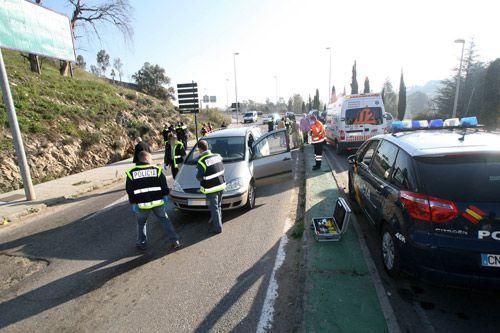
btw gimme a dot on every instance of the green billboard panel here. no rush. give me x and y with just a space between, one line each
27 27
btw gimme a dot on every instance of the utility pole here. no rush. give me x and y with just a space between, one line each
459 78
236 88
329 92
16 133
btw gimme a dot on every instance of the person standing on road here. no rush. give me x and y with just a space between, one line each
139 146
174 154
296 135
317 139
270 125
165 133
212 183
305 126
148 191
184 136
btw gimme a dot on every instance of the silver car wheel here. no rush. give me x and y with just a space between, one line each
388 250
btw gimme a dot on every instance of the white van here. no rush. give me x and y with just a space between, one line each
250 117
353 119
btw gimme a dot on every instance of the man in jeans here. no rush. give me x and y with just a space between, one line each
212 183
148 191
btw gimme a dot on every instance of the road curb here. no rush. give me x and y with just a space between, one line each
385 304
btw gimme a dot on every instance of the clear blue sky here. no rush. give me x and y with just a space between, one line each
195 39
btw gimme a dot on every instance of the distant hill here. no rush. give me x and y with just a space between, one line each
430 88
74 124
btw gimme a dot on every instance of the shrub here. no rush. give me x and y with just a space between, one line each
130 96
89 139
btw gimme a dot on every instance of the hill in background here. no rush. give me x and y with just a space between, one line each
73 124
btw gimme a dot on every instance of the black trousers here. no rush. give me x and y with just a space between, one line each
318 152
174 170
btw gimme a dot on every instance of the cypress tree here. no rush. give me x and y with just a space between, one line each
316 100
354 81
402 98
367 86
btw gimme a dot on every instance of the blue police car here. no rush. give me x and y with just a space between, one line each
433 193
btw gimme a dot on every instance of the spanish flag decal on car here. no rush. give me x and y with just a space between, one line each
474 214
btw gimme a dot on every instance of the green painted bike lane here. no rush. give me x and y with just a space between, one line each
340 294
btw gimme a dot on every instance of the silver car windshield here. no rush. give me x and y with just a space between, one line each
232 149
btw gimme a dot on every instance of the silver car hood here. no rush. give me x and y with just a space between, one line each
187 175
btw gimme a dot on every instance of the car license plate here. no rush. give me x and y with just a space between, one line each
197 202
490 260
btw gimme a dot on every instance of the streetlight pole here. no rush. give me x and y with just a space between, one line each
276 79
227 94
328 92
459 78
236 88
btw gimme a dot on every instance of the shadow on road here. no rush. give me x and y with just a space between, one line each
108 239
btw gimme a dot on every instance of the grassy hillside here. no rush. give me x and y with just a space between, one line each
73 124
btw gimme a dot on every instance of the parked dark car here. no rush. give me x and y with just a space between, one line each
434 198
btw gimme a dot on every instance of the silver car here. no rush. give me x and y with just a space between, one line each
250 159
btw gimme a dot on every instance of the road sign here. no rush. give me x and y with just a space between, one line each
187 96
27 27
213 99
233 106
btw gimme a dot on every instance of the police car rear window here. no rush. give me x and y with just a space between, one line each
472 177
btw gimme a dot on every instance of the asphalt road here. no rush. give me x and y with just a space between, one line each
95 281
422 306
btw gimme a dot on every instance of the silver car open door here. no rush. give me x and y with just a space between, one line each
271 157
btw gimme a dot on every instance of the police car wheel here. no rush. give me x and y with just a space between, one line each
251 196
390 252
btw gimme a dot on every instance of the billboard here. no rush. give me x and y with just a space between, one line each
27 27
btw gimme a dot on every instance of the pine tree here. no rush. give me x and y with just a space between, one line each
402 98
290 105
303 107
367 86
490 111
354 81
390 98
309 104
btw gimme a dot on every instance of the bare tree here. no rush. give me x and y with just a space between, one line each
118 66
88 15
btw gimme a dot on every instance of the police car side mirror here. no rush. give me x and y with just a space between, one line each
351 159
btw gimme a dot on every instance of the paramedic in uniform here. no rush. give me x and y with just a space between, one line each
317 139
212 183
147 190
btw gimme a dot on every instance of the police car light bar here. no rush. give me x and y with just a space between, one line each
413 125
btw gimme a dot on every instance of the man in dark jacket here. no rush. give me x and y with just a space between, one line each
165 133
140 146
212 183
148 191
174 154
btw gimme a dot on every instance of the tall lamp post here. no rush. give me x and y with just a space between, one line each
227 94
276 79
236 88
459 78
328 92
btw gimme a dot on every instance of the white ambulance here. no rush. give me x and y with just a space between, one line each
352 119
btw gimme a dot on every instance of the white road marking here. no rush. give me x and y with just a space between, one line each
266 316
108 207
